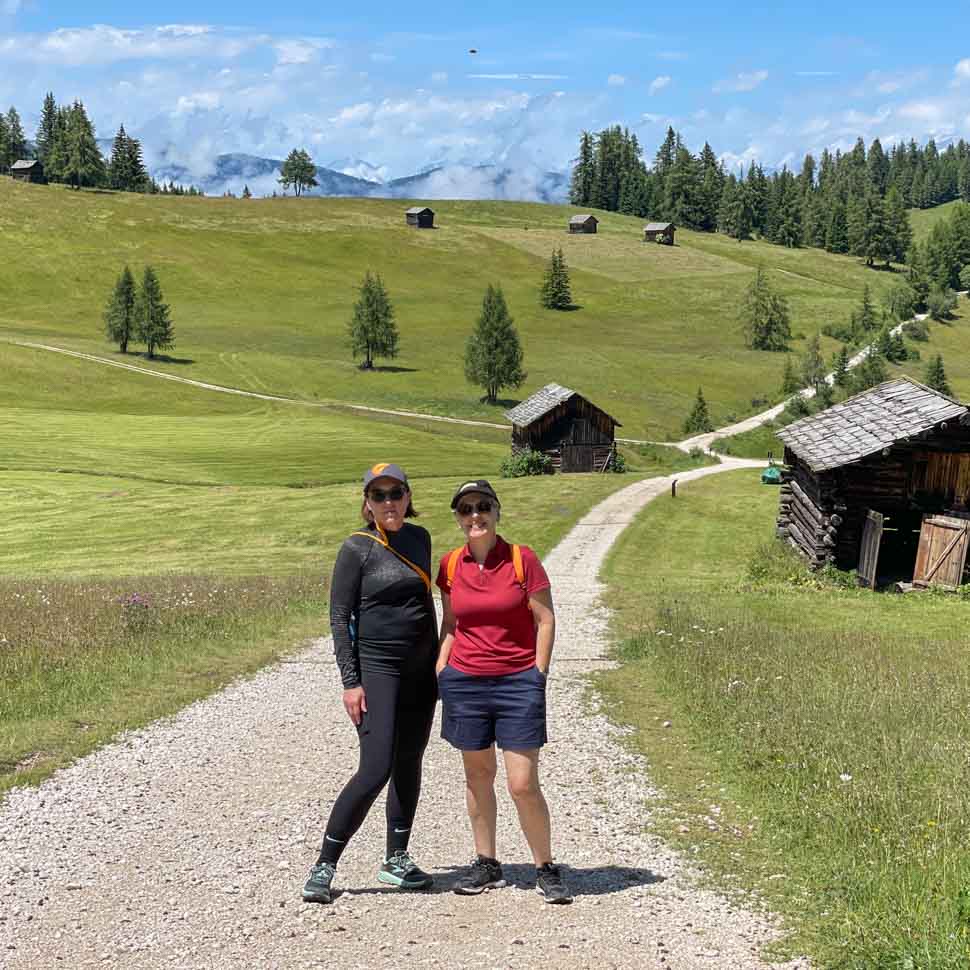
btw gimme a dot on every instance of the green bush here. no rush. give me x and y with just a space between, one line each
527 462
618 464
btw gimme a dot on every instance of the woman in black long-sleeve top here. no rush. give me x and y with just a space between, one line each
381 583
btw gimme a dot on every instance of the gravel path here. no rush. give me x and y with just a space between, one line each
185 845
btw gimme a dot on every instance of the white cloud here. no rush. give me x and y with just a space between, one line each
650 118
743 81
300 50
659 83
200 101
891 82
961 72
353 114
616 80
816 73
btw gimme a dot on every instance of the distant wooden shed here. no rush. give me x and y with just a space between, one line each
659 232
27 170
875 482
574 433
583 223
420 217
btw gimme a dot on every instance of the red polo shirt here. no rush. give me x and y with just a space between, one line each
495 632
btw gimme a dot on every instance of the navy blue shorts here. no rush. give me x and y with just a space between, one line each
478 712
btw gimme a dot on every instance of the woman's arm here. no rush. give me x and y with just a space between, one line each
344 598
447 638
544 613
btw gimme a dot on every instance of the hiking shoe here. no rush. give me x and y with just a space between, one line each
484 874
550 883
402 871
317 888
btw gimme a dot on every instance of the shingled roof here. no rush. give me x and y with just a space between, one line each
417 210
542 402
583 217
23 163
869 422
658 226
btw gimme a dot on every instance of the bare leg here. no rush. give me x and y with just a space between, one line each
480 798
522 771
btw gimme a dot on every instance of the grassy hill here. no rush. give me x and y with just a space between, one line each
261 291
923 220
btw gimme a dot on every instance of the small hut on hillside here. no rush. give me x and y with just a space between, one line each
420 217
583 223
881 483
27 170
562 424
659 232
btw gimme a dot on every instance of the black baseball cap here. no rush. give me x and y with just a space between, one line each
478 485
385 470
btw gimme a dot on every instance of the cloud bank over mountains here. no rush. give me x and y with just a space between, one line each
500 123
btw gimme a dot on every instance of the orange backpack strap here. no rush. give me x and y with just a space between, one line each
452 566
382 541
517 565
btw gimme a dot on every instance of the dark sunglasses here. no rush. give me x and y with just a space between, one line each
379 495
483 508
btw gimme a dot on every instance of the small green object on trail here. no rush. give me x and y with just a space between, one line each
772 474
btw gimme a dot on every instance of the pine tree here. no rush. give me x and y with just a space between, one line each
837 229
699 420
246 193
764 315
118 175
83 164
119 314
372 330
4 145
46 128
900 301
935 376
789 379
153 319
138 178
16 140
898 230
493 355
298 171
813 366
581 185
840 367
867 319
917 277
555 293
870 372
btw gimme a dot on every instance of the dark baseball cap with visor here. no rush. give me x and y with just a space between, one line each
479 485
385 470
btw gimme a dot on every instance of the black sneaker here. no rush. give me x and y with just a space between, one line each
550 883
317 888
402 871
484 874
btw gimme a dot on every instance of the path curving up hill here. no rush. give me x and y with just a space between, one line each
185 845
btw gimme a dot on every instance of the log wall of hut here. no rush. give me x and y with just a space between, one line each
822 514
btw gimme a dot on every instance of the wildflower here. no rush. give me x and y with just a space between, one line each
845 776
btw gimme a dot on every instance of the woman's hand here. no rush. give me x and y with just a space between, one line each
355 704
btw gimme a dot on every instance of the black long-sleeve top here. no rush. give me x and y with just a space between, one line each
396 623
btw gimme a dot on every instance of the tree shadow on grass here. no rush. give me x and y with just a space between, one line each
166 359
391 369
506 403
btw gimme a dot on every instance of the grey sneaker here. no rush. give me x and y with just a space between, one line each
317 888
550 883
484 874
402 871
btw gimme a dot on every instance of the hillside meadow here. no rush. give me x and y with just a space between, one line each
261 291
809 737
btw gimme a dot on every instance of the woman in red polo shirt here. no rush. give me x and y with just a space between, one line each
496 644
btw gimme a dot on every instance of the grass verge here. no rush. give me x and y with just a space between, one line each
810 737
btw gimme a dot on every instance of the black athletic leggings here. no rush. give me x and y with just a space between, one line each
393 735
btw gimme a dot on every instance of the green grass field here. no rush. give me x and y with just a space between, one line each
809 737
261 291
923 220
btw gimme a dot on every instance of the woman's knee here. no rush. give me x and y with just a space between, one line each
524 788
480 774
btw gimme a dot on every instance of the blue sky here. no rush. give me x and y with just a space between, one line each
396 86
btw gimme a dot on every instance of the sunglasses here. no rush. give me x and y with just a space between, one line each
379 495
483 508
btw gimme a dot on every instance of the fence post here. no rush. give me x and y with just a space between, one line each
673 488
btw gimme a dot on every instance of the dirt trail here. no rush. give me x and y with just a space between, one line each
185 845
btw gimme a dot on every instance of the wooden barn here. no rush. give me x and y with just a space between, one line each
420 217
574 433
881 483
583 223
27 170
659 232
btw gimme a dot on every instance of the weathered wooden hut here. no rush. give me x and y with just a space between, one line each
562 424
420 217
659 232
27 170
875 482
583 223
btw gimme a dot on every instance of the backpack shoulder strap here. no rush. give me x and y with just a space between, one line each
452 566
425 578
517 565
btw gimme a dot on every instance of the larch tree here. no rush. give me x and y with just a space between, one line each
936 376
16 139
119 314
493 354
555 293
699 419
813 365
298 172
152 315
372 330
46 128
764 315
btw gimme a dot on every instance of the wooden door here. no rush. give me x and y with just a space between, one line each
576 458
869 553
942 551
